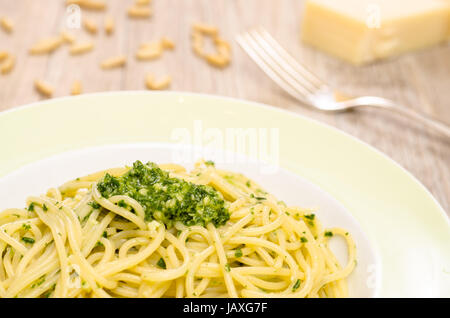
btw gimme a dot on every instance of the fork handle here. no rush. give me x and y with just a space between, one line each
378 102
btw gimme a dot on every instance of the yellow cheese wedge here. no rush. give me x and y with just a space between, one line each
448 35
362 31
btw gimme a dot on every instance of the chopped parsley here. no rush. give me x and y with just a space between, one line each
39 282
161 263
31 207
44 207
167 199
87 216
94 205
329 233
26 226
257 198
296 285
303 239
210 163
105 235
48 294
248 184
227 267
28 240
238 253
122 204
310 216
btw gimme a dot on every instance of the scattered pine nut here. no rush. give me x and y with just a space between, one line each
90 26
149 81
142 2
46 45
43 88
67 37
109 25
76 88
82 47
168 44
139 12
224 50
149 51
217 60
89 4
3 55
222 57
197 37
153 44
219 42
113 62
147 54
162 84
8 64
199 50
7 24
197 44
152 50
205 28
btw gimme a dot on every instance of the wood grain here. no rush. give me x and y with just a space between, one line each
420 80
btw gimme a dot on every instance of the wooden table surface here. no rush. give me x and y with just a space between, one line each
420 80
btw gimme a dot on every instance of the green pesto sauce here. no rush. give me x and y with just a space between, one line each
167 199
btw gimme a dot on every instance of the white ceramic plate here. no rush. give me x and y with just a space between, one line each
294 190
402 234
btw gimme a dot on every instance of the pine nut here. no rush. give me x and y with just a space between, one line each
44 88
90 26
8 64
76 88
7 24
114 62
205 28
162 84
109 25
68 37
89 4
139 12
46 45
80 48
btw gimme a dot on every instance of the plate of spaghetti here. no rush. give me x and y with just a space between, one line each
124 208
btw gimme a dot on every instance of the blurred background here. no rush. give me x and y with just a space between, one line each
420 80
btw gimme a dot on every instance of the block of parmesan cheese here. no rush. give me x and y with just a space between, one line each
362 31
448 35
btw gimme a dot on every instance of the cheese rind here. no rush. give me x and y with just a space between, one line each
362 31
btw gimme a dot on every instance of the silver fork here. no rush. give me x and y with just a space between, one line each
307 88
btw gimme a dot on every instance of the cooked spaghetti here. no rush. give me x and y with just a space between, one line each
159 231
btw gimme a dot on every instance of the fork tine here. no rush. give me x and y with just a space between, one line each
283 63
271 69
295 64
